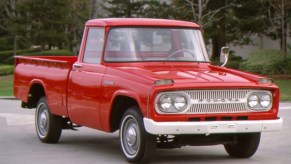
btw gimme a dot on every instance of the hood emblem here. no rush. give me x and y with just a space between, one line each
223 100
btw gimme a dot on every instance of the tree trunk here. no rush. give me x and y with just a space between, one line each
215 47
219 40
284 28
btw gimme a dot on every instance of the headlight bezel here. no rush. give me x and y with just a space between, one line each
259 107
173 109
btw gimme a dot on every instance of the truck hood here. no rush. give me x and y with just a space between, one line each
186 74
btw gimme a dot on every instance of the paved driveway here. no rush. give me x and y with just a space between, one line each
20 145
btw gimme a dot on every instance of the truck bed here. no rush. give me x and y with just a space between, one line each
65 60
49 71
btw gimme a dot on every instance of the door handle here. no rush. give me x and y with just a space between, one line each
77 65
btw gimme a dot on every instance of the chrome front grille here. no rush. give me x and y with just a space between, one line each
218 101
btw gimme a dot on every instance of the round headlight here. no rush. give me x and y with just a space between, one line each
165 102
180 103
253 101
265 100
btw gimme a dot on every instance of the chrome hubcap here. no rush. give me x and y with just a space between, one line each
131 136
42 120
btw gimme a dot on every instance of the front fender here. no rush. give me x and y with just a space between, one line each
129 94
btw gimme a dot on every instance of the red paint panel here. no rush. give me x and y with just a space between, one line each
49 72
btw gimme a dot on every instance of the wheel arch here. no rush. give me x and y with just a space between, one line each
36 91
120 104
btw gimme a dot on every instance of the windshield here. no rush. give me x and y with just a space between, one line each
155 44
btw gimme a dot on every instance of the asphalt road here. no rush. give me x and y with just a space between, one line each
20 145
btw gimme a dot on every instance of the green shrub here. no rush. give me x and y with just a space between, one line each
235 58
289 63
51 53
4 55
10 60
233 62
6 69
266 62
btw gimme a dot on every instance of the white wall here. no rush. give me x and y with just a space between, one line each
266 43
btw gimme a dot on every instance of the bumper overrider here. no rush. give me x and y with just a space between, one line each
212 127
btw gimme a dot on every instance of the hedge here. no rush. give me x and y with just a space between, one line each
6 69
10 60
233 61
4 55
266 62
288 63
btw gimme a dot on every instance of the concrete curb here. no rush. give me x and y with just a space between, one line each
285 102
8 97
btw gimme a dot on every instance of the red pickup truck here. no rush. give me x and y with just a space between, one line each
152 80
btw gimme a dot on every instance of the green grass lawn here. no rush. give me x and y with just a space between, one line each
285 88
6 85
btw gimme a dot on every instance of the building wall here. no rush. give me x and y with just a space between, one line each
260 43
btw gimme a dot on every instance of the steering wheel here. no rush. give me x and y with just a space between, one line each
179 51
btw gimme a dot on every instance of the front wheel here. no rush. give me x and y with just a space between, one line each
48 126
137 145
244 146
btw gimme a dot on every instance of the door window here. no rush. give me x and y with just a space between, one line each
94 45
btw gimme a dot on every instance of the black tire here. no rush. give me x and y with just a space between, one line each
48 126
137 145
245 145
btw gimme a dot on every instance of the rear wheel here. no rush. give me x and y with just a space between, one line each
244 146
137 145
48 126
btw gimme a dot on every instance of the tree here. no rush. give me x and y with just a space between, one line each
12 26
137 8
200 10
156 9
80 11
47 19
123 8
232 21
250 20
210 15
280 20
56 23
49 23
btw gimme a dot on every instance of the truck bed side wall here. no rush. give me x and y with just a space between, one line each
49 72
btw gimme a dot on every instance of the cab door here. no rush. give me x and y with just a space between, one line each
85 81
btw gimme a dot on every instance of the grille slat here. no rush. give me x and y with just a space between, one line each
218 101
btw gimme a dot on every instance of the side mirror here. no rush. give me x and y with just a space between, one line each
224 55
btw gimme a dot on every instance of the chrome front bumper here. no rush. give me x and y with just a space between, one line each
212 127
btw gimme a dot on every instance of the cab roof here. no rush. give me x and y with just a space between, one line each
140 22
